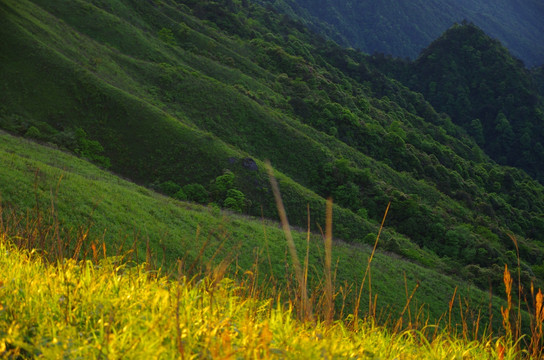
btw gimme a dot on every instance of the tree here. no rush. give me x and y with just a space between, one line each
477 131
221 185
504 131
167 36
456 239
169 188
33 133
90 149
235 200
347 195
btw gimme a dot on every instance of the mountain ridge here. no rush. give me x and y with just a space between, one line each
404 29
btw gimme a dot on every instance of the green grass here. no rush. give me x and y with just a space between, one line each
187 110
121 214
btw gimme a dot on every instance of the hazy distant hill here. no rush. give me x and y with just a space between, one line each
404 28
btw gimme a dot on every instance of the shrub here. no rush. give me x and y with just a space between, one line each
90 149
235 200
33 133
180 195
169 188
196 193
221 185
167 36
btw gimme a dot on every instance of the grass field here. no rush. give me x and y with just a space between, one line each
45 188
113 309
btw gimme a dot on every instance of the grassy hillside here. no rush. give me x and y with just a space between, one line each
56 206
191 97
48 193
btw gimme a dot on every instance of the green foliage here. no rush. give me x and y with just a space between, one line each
496 100
180 195
370 239
33 133
89 149
477 131
456 241
348 196
196 193
169 188
222 184
167 36
75 140
235 200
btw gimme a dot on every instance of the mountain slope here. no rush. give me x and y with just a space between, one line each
475 80
403 29
176 98
49 194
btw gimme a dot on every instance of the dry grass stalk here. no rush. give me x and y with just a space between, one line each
307 257
450 307
329 306
358 301
506 312
406 306
406 294
536 345
520 290
305 308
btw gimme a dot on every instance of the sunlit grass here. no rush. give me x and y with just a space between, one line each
80 310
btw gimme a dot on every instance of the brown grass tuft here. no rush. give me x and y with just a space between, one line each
367 270
506 312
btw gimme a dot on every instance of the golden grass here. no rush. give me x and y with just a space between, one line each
506 312
77 309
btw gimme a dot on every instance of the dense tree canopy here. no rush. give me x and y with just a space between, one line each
475 80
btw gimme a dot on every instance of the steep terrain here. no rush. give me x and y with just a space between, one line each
476 81
50 196
191 97
403 29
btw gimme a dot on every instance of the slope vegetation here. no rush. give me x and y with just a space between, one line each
83 310
50 196
191 97
475 80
